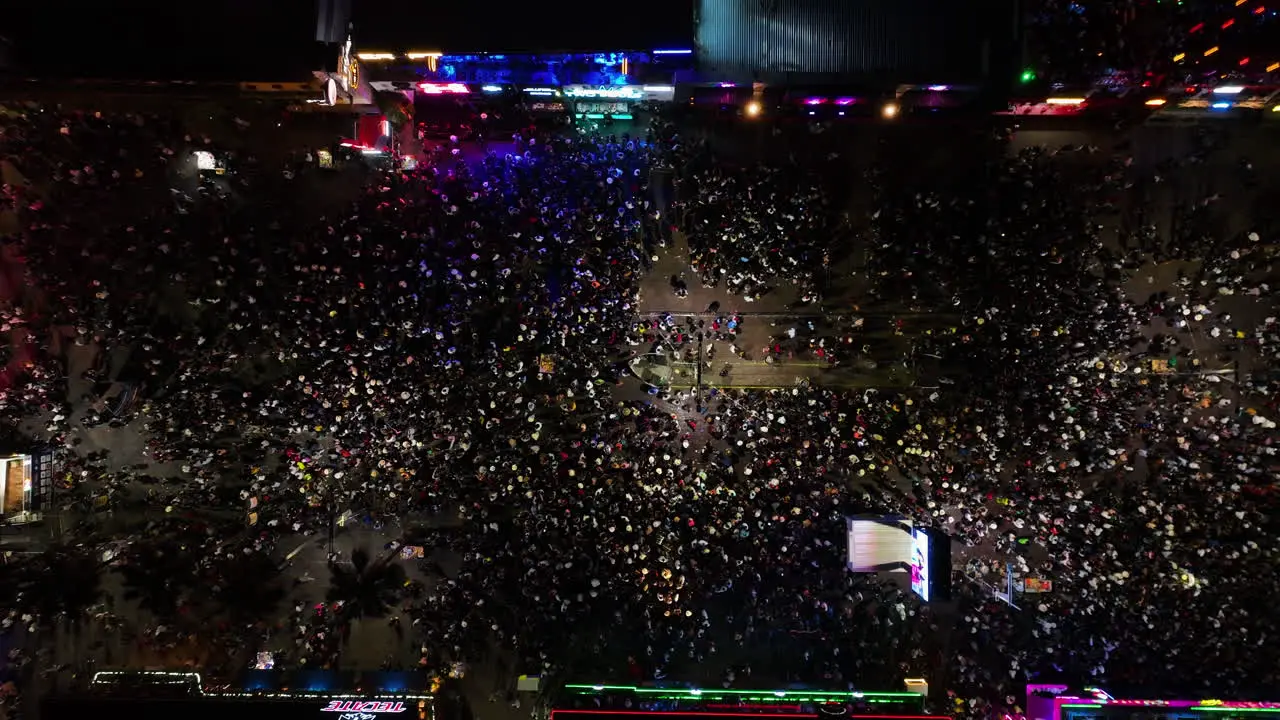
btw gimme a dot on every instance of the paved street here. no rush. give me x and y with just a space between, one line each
772 316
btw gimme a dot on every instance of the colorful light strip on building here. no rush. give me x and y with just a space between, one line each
774 695
1076 703
776 715
650 712
1240 6
335 700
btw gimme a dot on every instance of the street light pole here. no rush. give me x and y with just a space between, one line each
329 506
697 392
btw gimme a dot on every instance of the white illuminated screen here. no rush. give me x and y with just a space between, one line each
920 563
878 544
204 161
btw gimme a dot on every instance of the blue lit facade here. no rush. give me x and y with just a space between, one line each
547 69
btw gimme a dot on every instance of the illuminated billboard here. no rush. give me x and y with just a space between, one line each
893 544
920 563
878 544
27 486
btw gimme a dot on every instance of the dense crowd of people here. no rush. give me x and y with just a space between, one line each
449 352
754 227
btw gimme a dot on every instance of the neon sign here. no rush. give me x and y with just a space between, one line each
355 709
625 92
431 88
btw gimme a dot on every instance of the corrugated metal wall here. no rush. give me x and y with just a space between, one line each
929 41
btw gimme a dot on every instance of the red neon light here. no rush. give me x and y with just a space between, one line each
431 88
1259 10
1244 61
1196 28
1228 24
695 712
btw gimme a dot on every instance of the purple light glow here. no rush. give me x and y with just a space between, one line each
846 101
939 88
727 85
814 101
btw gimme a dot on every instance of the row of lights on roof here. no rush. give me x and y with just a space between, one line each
1223 90
622 92
1225 25
1152 102
888 111
1243 61
386 56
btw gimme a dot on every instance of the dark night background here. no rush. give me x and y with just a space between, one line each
498 27
246 40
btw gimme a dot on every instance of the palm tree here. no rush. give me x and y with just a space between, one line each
247 588
395 106
60 581
157 575
237 597
367 587
63 580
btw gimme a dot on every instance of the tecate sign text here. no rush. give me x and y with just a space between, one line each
359 706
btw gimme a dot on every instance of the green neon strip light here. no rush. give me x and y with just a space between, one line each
623 116
771 699
601 687
1214 708
1082 705
595 116
693 693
